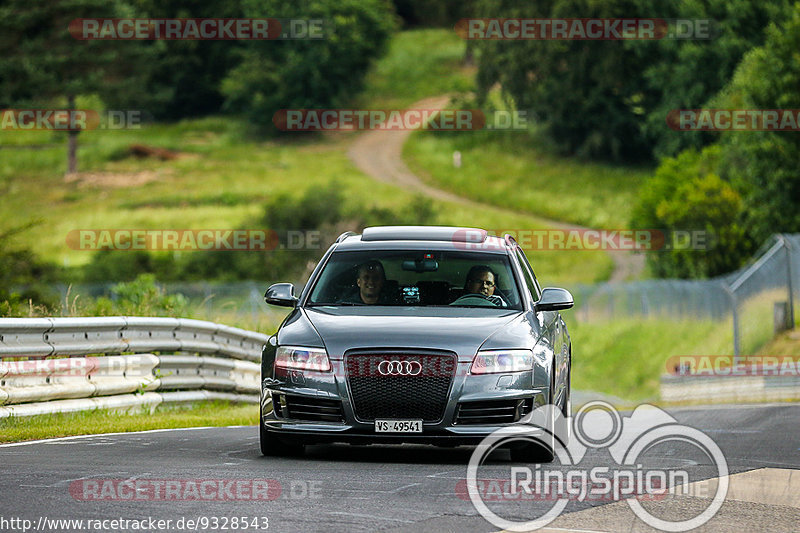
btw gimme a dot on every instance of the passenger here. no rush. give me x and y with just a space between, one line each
481 279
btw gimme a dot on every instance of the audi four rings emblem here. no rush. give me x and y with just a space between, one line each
399 368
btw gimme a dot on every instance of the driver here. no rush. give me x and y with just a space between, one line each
370 282
482 280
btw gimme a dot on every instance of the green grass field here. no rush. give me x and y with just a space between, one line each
506 168
419 64
626 358
92 422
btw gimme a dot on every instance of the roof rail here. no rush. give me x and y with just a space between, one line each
509 240
346 234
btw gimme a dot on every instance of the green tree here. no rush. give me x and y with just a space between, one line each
308 73
687 194
687 73
609 99
589 95
182 78
41 62
765 165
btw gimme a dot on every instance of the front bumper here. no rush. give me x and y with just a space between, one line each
331 388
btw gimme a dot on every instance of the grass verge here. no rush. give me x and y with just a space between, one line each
95 422
626 358
419 64
505 168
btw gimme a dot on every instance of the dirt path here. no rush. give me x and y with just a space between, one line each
379 154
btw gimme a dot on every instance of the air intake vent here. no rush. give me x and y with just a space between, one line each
307 408
492 412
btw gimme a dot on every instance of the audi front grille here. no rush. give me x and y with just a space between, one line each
400 385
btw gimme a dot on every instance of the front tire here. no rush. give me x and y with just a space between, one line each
272 445
532 452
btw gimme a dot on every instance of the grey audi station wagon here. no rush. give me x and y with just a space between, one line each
437 335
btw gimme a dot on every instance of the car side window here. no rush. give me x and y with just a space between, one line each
527 273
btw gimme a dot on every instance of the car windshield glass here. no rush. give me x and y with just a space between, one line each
418 278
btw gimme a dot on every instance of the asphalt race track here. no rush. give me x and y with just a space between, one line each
376 488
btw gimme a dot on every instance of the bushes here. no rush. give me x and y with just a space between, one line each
24 279
686 194
141 297
305 225
308 73
608 99
746 186
765 165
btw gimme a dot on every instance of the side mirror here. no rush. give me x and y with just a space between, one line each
281 294
554 299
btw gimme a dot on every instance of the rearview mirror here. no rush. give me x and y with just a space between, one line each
421 265
554 299
281 294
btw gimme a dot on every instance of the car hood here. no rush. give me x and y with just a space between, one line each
460 330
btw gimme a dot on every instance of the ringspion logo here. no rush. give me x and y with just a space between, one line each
596 426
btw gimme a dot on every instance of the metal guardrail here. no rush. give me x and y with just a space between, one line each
52 365
740 389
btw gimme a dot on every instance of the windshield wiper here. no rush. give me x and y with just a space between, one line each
335 303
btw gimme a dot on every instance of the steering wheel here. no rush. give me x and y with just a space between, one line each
474 299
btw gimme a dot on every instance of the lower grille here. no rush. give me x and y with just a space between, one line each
307 408
417 387
493 411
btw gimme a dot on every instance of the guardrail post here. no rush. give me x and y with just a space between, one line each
787 244
735 314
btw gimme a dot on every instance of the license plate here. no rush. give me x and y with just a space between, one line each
398 426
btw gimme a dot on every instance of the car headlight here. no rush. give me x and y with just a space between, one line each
494 361
302 358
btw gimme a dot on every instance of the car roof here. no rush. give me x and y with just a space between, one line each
423 237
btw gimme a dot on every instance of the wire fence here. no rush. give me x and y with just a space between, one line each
757 299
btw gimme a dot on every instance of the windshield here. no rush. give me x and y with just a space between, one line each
418 278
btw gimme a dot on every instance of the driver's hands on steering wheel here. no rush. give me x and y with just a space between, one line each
494 299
